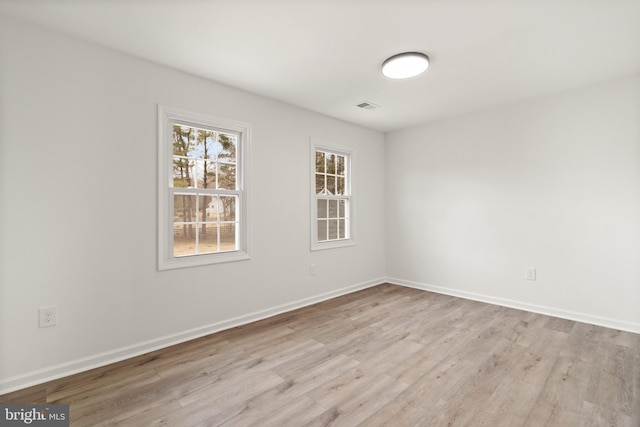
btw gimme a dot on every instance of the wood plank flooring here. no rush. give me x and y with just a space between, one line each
384 356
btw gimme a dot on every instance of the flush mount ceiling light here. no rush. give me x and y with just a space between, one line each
405 65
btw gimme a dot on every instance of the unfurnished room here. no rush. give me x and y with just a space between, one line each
320 213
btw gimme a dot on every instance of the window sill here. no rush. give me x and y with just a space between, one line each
332 244
200 260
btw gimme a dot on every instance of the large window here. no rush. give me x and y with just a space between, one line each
332 203
202 201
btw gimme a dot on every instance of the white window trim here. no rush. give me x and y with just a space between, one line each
316 144
166 117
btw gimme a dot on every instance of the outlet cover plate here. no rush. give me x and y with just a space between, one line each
531 274
48 316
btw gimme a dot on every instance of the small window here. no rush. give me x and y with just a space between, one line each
202 201
331 201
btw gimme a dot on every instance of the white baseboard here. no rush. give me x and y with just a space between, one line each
40 376
549 311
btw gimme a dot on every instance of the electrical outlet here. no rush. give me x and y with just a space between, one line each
531 274
47 316
312 269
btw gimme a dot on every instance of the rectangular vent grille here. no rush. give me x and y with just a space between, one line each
368 106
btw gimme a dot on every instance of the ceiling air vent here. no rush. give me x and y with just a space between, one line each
368 106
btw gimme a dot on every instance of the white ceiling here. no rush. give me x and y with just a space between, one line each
325 55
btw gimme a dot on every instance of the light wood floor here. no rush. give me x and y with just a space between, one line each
385 356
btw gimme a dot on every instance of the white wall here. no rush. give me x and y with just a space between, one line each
552 184
78 147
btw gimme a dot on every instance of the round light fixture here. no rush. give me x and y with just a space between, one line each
405 65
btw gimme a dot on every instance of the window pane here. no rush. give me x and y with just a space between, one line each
209 146
319 161
341 206
208 238
198 173
184 208
340 185
228 237
213 208
183 172
207 208
331 163
341 229
331 184
228 208
208 174
227 176
340 165
204 150
322 208
183 141
184 240
333 229
227 147
322 230
333 208
319 183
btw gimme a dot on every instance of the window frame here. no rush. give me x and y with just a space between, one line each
167 117
348 153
